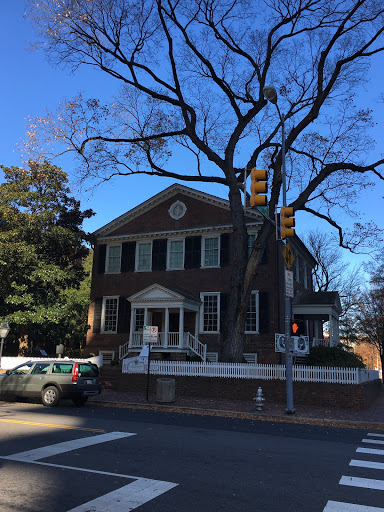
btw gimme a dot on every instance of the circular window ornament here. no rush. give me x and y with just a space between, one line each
177 210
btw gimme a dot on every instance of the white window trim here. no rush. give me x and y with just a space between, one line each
107 260
204 238
169 253
201 327
107 353
137 256
305 276
107 297
255 292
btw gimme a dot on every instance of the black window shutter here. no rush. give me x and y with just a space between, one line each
102 256
264 258
223 309
192 252
224 249
263 312
128 253
97 315
159 254
124 319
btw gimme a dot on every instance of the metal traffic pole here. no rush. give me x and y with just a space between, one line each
271 95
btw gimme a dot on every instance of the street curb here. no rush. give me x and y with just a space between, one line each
244 415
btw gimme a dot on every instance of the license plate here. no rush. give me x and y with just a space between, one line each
89 381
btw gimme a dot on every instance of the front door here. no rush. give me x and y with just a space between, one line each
157 320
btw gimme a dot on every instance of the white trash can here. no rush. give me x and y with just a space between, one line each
165 390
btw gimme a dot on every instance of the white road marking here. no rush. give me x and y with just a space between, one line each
367 464
371 451
338 506
126 498
367 483
374 434
55 449
372 441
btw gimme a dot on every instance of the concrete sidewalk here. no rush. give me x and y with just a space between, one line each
372 418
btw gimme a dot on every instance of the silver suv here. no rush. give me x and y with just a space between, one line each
52 380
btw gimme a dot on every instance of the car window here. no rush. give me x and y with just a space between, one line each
88 370
40 368
62 368
21 370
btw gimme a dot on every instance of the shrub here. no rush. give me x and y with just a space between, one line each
338 356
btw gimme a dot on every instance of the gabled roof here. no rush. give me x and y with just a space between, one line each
159 294
164 195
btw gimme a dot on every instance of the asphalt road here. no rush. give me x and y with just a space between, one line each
104 459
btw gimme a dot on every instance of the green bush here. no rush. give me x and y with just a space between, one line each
338 356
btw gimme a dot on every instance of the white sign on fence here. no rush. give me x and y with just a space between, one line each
150 334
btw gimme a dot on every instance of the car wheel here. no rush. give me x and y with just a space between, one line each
50 396
79 402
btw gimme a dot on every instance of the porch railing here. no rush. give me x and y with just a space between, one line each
171 341
252 371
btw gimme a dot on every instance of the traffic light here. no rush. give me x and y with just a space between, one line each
297 328
287 222
258 187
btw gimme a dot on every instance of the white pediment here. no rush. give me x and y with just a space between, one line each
156 293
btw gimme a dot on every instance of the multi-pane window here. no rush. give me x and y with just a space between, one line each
113 258
210 312
251 241
305 276
251 319
144 259
139 319
110 310
175 254
297 267
211 252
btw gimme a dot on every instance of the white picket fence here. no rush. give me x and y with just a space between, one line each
250 371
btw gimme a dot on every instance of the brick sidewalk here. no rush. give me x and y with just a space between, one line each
372 417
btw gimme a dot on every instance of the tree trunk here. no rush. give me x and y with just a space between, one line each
244 272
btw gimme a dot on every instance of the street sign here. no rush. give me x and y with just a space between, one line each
299 344
288 256
289 291
150 334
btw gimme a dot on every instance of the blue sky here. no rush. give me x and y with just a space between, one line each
30 84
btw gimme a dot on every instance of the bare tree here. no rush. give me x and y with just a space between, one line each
192 74
371 313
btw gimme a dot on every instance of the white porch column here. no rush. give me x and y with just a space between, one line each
197 318
181 327
331 330
166 327
145 316
131 327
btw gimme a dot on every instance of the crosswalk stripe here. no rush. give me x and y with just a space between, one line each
367 483
373 434
338 506
371 451
126 498
372 441
367 464
55 449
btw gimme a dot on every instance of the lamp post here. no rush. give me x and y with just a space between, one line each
270 94
4 330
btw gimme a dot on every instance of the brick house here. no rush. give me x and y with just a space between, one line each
167 263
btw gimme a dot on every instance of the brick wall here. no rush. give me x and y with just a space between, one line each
305 393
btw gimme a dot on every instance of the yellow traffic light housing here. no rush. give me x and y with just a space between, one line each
287 222
259 187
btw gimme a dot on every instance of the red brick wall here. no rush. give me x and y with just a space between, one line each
305 393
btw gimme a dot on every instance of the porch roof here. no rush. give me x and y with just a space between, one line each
317 304
161 296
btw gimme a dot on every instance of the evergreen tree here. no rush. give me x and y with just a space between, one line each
42 248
